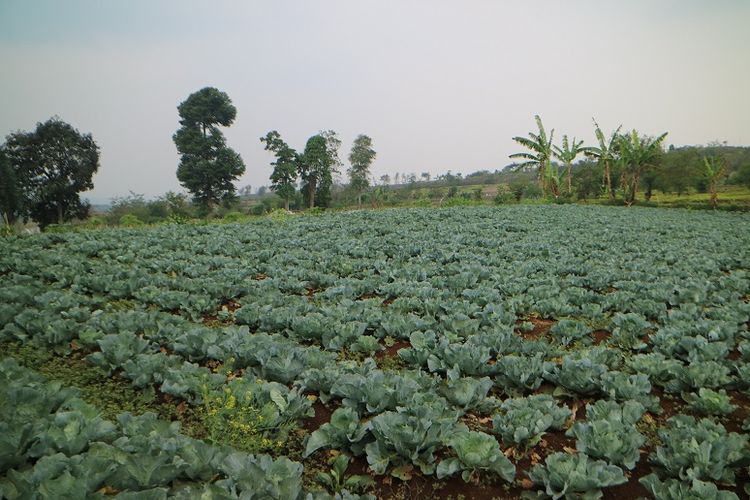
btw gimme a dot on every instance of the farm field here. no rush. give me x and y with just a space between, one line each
477 352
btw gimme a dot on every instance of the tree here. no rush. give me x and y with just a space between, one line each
385 179
567 154
425 176
10 198
208 167
284 175
323 189
714 168
314 166
605 154
541 152
360 157
52 165
637 154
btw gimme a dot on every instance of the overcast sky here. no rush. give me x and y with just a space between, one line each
438 85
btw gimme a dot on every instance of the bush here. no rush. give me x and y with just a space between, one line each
233 217
505 198
130 220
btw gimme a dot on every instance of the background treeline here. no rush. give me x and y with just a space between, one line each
43 172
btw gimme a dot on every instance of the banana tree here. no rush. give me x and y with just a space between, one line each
567 154
605 154
553 179
714 169
637 154
541 152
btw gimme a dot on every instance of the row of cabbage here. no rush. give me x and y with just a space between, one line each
458 308
55 445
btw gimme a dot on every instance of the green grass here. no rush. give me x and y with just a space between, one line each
111 395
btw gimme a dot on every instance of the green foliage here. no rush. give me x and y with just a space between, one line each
570 330
575 476
51 166
709 402
523 421
208 166
609 432
521 372
344 431
581 376
410 435
130 220
314 167
541 152
673 489
475 452
361 157
700 450
637 153
337 482
284 175
233 216
10 196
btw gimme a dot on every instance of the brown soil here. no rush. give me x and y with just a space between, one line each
600 336
389 301
231 305
322 416
541 327
737 417
366 296
429 487
392 351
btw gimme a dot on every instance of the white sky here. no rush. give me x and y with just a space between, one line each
437 84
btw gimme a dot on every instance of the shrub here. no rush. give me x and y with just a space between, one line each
130 220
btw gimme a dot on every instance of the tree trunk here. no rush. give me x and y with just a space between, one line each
311 186
59 213
570 178
542 184
359 200
286 204
714 195
608 181
634 187
648 193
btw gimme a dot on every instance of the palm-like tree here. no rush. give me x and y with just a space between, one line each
714 169
567 154
637 153
541 151
605 154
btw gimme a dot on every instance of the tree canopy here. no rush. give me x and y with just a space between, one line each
315 167
208 167
360 157
284 175
50 167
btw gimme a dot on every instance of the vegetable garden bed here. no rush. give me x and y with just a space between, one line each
562 351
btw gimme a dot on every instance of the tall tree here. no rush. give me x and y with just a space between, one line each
10 196
714 168
208 167
541 152
284 175
605 154
360 157
52 165
567 154
637 154
325 184
314 166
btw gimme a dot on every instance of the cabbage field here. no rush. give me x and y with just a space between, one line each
538 351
